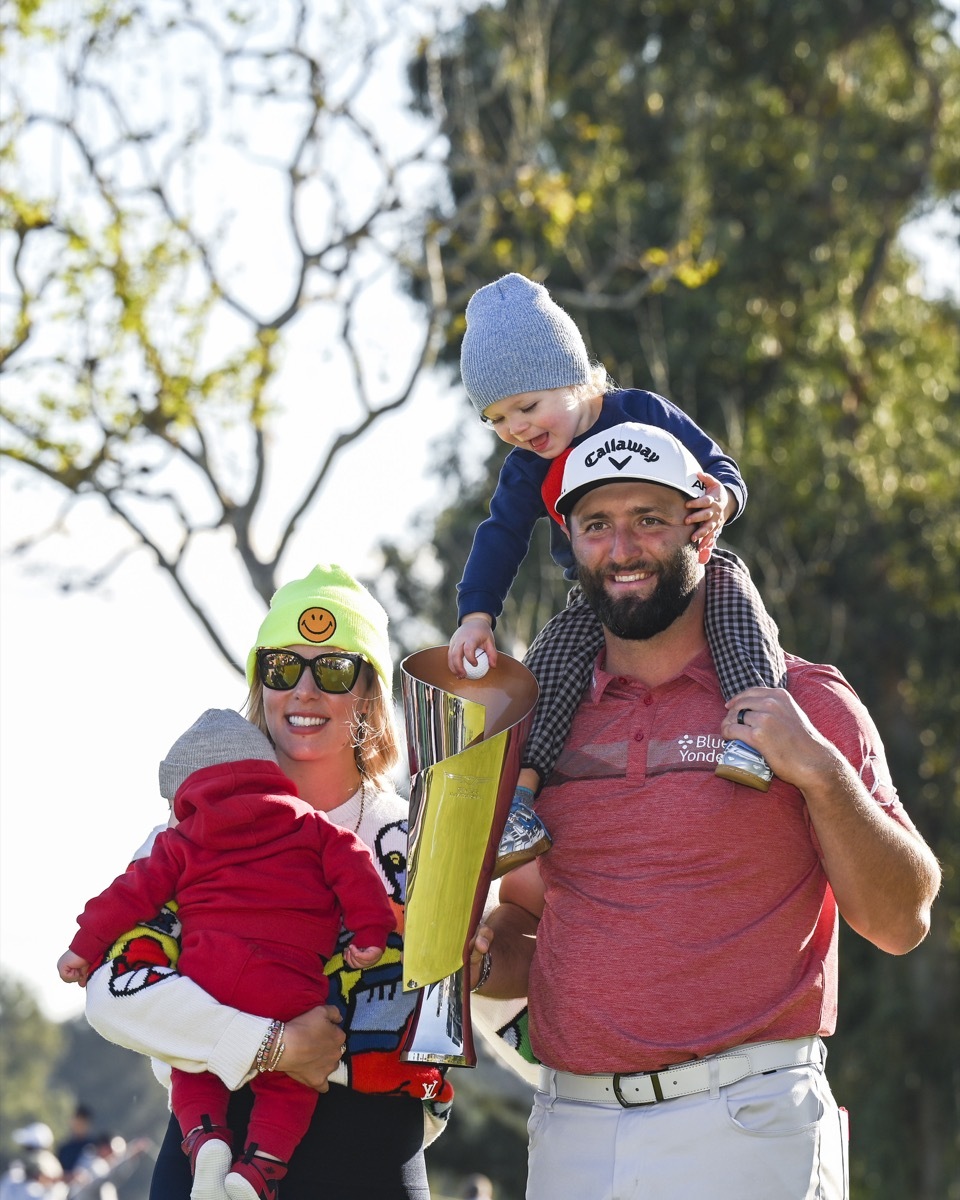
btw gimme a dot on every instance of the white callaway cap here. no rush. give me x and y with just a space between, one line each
627 453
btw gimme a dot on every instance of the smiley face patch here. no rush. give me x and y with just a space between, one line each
317 624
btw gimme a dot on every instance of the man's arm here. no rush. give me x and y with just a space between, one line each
883 874
510 935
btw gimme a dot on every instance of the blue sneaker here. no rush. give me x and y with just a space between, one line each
742 764
524 836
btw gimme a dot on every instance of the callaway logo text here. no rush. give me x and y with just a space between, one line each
614 444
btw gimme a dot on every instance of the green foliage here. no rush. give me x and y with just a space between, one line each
117 1084
715 193
47 1069
29 1046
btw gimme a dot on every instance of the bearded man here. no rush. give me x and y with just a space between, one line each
678 943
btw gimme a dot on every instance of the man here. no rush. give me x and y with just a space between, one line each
678 944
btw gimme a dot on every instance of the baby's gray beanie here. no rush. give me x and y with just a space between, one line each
518 340
220 735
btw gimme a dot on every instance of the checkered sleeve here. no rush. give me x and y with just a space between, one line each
561 658
743 637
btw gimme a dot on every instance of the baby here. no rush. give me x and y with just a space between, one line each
262 882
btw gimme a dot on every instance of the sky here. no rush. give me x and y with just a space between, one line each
79 749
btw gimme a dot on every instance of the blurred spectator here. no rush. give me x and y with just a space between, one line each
36 1174
81 1136
90 1178
36 1136
477 1187
107 1161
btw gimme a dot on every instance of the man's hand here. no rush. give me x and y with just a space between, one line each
314 1044
882 873
479 946
510 935
774 724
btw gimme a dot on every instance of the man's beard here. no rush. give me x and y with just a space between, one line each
634 619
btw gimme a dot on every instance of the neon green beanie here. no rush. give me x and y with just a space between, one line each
330 608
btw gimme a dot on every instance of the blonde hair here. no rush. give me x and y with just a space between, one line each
374 732
597 384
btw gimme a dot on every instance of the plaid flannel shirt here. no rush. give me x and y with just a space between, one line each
742 636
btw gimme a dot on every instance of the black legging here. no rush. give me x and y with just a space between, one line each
358 1147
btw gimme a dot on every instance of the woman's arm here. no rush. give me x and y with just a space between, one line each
137 999
155 1011
171 1018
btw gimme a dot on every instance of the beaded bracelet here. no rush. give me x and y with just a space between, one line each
260 1062
278 1050
486 965
268 1054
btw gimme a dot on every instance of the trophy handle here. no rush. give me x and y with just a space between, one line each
441 1031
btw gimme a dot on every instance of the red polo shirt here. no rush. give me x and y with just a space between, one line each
684 913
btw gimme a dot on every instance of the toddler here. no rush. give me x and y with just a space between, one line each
526 370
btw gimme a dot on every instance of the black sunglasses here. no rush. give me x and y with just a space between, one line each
280 670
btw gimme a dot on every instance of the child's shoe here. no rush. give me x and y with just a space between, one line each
210 1150
524 835
742 764
255 1177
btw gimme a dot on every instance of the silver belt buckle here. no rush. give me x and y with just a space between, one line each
624 1103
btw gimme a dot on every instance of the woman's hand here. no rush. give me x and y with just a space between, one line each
313 1046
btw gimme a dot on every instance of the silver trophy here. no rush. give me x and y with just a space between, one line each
464 739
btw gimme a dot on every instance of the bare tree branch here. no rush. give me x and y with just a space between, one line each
142 358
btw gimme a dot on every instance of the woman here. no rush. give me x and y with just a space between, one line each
320 688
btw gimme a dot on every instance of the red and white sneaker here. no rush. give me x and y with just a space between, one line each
211 1153
255 1177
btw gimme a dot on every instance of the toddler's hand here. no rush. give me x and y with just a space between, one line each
358 959
707 514
475 633
73 968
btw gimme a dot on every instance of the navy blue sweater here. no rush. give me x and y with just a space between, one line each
503 539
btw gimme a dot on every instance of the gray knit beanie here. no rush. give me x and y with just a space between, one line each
220 735
518 340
